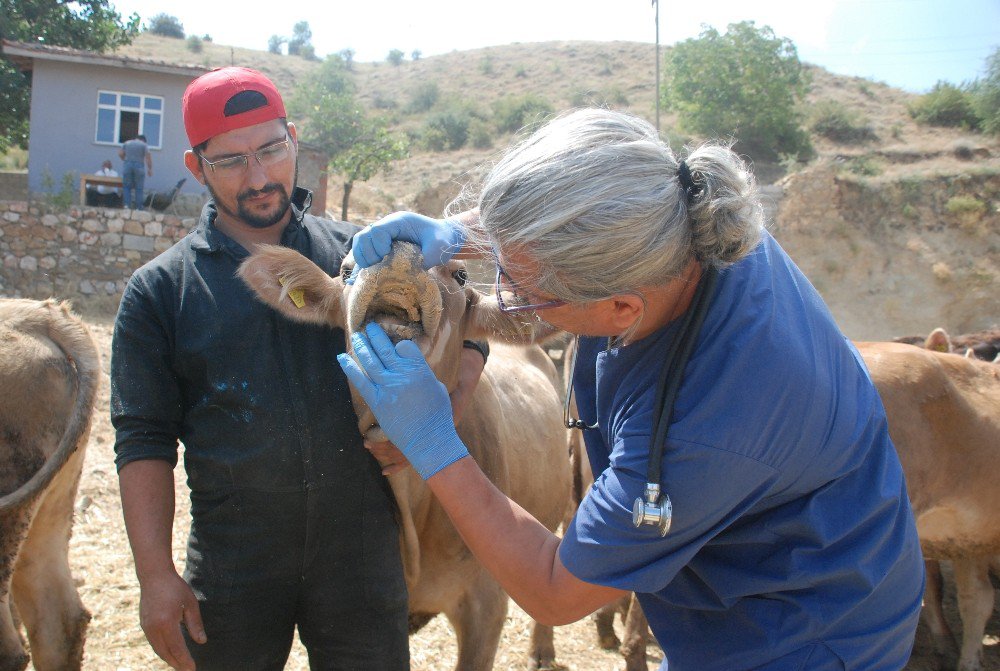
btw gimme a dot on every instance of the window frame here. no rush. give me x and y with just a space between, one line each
117 108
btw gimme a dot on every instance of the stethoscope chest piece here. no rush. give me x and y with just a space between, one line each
655 510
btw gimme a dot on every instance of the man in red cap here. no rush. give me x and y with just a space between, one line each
292 522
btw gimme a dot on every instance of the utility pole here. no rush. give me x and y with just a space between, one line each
656 4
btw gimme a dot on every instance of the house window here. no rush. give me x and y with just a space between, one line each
122 116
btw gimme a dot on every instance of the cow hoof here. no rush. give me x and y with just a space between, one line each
544 664
608 641
18 662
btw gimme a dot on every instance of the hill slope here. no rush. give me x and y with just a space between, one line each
900 233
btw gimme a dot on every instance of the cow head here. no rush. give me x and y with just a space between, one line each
435 308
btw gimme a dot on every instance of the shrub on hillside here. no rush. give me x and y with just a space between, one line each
423 97
945 105
512 113
166 25
194 44
836 122
480 134
448 129
986 95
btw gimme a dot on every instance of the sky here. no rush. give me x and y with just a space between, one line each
909 44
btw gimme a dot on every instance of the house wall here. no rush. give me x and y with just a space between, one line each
64 122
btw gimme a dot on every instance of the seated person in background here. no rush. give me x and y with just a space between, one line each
102 195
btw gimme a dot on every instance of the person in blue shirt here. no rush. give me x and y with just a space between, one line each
792 543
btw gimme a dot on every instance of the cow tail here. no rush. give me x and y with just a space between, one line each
70 334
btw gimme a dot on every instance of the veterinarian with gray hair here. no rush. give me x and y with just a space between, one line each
746 486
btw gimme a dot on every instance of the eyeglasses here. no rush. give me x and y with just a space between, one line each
231 166
518 304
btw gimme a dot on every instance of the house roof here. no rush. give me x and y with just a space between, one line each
23 55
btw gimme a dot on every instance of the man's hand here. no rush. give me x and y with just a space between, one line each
164 604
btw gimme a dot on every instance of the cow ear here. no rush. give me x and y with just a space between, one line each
294 286
938 341
485 320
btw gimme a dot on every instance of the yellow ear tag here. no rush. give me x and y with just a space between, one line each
297 295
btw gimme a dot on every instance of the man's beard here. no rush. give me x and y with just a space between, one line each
251 219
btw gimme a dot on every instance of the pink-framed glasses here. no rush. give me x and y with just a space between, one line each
518 304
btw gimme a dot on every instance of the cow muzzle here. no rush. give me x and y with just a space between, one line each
402 298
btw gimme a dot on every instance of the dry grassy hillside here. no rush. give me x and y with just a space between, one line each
901 233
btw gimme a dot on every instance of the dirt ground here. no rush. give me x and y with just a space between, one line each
102 567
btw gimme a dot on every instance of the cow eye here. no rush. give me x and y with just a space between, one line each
461 276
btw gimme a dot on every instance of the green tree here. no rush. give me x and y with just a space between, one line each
746 83
274 44
359 146
300 39
348 56
986 95
373 149
395 57
167 26
85 24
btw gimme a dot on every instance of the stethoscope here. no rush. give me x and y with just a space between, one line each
655 508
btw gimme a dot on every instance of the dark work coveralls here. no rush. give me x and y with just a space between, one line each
292 522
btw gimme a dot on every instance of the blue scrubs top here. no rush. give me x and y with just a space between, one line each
793 545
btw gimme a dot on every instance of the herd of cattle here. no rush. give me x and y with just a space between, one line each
943 409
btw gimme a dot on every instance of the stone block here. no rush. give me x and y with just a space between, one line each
142 216
67 234
47 262
18 206
50 220
10 261
87 288
11 216
139 243
153 229
28 263
88 238
111 239
116 225
133 228
92 225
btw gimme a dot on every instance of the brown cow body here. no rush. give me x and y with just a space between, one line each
944 419
511 425
49 371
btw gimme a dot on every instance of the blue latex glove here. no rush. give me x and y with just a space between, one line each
410 404
439 239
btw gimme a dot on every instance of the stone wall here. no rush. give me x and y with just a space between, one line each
79 252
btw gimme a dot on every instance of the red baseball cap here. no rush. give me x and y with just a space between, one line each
226 99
